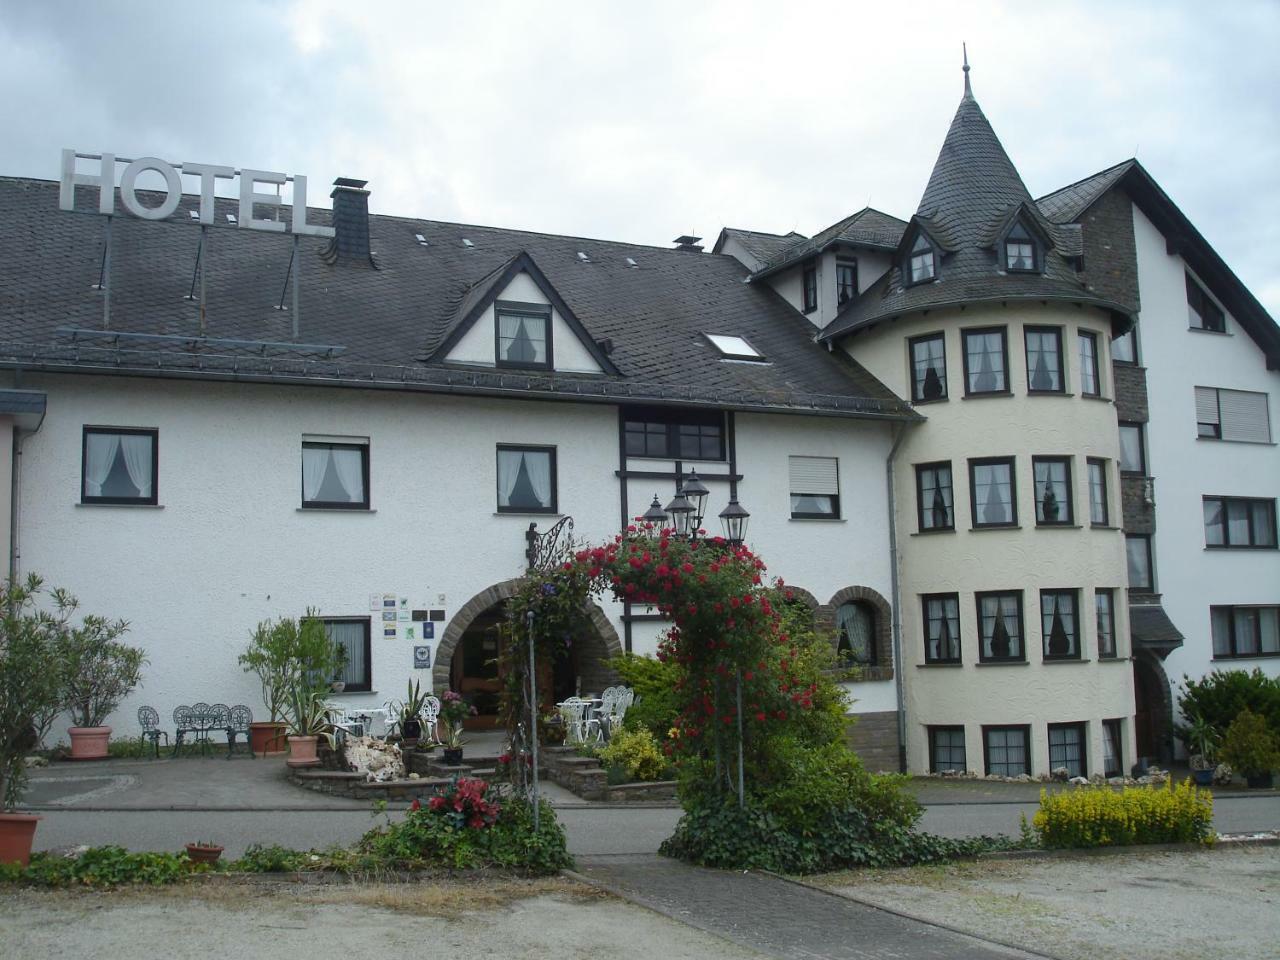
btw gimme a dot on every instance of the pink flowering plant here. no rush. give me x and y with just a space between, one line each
454 709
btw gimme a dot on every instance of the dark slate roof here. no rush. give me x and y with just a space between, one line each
387 320
1150 627
762 246
1072 202
973 192
866 228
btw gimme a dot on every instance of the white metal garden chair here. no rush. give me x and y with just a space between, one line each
431 714
574 711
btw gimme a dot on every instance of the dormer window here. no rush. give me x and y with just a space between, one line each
922 265
1019 251
523 334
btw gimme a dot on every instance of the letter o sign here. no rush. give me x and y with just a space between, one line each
128 189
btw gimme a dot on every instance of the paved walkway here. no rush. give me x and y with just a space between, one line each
782 919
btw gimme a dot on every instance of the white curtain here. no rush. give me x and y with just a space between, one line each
508 470
539 467
314 460
350 467
351 636
137 460
100 452
854 622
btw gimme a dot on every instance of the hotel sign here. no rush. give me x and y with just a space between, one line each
252 201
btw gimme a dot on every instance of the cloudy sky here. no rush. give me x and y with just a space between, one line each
641 121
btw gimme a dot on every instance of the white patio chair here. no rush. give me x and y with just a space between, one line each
574 711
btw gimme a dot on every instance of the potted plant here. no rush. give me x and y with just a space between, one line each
280 654
1202 744
1252 748
30 688
409 713
338 683
204 851
453 712
98 672
307 720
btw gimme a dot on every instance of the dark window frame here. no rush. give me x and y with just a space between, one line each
1068 517
1027 239
336 504
1061 388
909 278
978 597
809 287
921 468
367 685
153 433
1226 544
1082 729
1059 593
846 263
1232 639
1205 308
672 419
532 311
1004 349
1110 595
1145 538
958 640
833 497
1101 464
917 388
555 477
987 730
1095 365
1142 449
933 731
1011 463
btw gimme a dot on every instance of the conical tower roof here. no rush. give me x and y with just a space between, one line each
973 198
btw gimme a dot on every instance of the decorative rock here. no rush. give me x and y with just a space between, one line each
1222 774
33 762
378 760
1061 774
1079 781
415 776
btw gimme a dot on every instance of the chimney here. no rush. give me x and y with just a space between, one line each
688 243
350 243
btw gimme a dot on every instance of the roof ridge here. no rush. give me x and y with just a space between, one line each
1092 176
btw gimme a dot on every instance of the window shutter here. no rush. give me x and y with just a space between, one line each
815 475
1206 405
1244 416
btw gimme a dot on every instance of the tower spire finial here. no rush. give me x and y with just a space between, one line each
968 92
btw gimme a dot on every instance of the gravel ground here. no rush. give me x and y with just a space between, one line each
1154 906
542 919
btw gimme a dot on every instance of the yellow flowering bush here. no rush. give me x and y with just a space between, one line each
1101 817
637 752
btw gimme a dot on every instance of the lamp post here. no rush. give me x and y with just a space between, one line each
655 514
733 519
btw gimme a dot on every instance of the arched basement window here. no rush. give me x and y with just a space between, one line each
856 630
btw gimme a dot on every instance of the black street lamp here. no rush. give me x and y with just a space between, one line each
733 519
681 511
655 514
696 492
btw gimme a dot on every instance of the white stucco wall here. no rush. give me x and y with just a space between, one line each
1190 577
789 283
568 354
229 545
1026 558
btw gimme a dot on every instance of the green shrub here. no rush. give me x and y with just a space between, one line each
1219 697
637 753
1249 745
1102 817
468 829
655 708
271 859
100 867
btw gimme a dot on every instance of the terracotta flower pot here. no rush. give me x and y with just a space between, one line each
267 737
17 830
89 743
199 854
302 752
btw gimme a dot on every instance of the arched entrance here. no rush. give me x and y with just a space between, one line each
1153 709
464 659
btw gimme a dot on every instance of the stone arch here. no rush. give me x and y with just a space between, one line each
826 617
609 644
802 595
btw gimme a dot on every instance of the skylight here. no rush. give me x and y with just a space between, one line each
735 348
